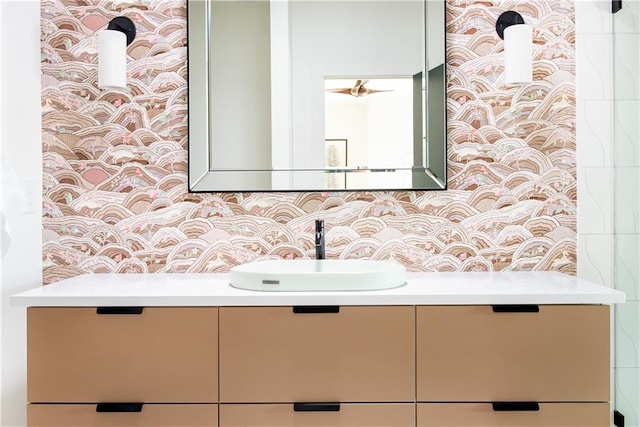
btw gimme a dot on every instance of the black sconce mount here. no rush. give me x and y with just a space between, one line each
616 6
508 19
124 25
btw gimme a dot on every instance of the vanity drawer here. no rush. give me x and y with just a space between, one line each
348 415
151 415
483 415
513 353
163 354
315 354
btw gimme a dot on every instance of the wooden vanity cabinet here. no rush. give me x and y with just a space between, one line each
314 366
153 354
513 365
149 415
162 357
484 414
317 354
343 415
548 353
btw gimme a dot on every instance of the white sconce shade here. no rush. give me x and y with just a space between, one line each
518 48
518 54
112 60
112 53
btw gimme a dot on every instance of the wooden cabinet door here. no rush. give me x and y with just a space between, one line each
356 354
513 353
153 415
348 415
165 354
483 415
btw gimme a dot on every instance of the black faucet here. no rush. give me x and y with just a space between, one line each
320 239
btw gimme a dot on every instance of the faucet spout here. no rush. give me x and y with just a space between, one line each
320 239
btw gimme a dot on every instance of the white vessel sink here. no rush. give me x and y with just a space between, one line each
318 275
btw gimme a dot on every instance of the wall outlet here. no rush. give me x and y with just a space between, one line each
31 193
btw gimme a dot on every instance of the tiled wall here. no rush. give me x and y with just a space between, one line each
626 224
115 197
594 90
608 135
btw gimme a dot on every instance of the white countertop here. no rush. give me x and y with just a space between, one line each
446 288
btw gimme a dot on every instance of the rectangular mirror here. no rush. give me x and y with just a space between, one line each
316 95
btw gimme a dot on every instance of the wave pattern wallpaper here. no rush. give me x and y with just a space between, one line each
115 163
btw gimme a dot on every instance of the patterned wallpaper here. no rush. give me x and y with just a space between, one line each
115 182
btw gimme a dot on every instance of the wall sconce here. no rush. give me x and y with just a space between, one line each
112 53
518 48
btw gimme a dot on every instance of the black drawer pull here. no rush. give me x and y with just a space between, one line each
314 309
119 310
515 406
316 407
516 308
119 407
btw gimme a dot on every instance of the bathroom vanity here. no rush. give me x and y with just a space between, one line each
447 349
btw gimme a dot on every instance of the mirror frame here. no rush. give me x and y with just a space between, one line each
201 178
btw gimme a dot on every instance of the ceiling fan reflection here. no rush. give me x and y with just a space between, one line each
358 90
